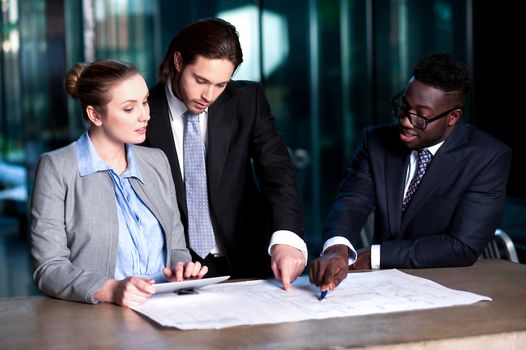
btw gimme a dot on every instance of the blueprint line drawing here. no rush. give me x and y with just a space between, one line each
265 302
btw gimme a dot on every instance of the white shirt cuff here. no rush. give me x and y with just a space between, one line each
375 256
291 239
341 240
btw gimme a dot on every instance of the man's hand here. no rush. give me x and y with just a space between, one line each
330 269
287 263
363 262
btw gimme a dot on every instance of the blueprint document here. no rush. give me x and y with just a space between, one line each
264 301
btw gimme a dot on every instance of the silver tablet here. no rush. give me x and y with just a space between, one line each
187 284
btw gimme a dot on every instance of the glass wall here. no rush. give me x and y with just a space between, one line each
329 68
345 61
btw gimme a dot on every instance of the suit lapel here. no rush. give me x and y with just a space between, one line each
442 164
395 170
138 187
160 136
220 120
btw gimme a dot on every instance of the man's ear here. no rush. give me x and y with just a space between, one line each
93 116
178 61
454 117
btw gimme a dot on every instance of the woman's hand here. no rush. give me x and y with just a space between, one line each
185 270
131 291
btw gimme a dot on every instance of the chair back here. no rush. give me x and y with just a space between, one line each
500 247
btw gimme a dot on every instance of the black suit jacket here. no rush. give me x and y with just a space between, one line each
452 215
252 185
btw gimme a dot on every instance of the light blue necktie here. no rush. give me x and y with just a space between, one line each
424 157
200 229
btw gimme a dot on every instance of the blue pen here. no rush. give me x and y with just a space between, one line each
323 294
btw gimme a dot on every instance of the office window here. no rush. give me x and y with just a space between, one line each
329 68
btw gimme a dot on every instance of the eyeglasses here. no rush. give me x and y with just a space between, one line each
400 111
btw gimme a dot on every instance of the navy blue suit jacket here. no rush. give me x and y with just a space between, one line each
454 212
252 185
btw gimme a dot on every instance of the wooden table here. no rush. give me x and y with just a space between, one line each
45 323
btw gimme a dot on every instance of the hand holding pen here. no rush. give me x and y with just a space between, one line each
330 269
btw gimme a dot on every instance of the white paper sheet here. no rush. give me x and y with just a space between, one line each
263 301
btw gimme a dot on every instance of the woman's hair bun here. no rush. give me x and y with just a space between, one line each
72 79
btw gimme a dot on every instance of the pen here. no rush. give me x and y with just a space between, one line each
323 295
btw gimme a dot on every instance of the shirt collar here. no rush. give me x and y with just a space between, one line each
433 149
89 161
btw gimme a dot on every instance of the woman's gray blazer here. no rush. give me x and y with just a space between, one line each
74 226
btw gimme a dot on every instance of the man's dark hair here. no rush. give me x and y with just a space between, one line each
440 70
212 38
